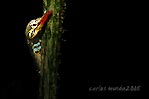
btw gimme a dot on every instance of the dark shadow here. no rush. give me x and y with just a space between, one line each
19 78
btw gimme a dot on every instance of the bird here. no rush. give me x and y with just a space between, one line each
34 30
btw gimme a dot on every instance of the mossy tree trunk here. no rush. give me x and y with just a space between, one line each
51 50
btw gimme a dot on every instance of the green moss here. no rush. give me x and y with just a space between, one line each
50 52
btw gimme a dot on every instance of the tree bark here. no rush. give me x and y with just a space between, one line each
51 50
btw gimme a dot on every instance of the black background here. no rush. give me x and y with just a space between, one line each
19 78
105 44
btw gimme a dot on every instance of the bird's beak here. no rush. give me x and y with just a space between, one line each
44 18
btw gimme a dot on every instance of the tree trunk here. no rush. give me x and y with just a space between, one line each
51 50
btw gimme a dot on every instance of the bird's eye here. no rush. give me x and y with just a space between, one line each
34 24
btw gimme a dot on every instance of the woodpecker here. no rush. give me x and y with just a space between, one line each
34 30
